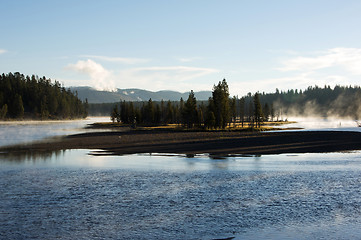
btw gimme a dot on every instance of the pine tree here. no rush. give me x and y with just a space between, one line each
258 115
3 111
190 113
18 107
114 114
221 109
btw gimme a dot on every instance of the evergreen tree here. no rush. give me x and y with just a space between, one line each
233 109
39 98
3 111
242 110
149 113
114 116
266 112
221 109
180 111
190 113
210 121
169 118
257 110
18 107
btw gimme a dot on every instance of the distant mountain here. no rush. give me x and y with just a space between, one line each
95 96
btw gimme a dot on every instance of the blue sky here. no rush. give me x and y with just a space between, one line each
183 45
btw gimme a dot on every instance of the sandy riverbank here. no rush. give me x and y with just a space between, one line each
197 142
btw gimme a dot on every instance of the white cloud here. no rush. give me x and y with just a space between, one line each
348 59
118 59
2 51
101 79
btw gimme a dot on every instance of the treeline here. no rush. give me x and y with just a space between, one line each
340 101
221 111
218 112
37 98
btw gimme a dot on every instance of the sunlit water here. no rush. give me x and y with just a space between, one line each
21 132
73 195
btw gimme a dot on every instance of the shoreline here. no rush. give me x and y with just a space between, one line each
198 142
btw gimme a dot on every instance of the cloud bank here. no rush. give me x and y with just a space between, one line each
2 51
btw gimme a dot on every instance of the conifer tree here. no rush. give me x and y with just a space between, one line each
258 115
221 109
190 113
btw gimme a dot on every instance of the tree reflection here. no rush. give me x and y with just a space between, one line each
30 156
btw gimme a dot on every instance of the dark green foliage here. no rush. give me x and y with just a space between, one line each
34 97
190 112
115 116
146 113
170 116
242 110
233 109
17 109
258 114
221 107
210 121
3 111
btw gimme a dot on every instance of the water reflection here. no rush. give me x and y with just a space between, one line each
195 162
30 156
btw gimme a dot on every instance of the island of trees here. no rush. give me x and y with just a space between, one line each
219 112
31 97
222 111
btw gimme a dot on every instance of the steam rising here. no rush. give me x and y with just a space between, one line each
343 107
101 79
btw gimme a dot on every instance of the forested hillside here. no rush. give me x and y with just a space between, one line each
37 98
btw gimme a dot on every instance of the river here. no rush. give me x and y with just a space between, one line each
75 195
22 132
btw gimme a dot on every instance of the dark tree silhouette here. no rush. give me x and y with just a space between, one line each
37 98
190 113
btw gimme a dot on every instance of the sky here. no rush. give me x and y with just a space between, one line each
184 45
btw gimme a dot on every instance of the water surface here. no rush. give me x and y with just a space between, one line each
73 195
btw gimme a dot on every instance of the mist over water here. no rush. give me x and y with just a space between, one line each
22 132
317 123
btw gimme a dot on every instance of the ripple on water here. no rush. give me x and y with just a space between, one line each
83 201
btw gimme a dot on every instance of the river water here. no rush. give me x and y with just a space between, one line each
22 132
75 195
